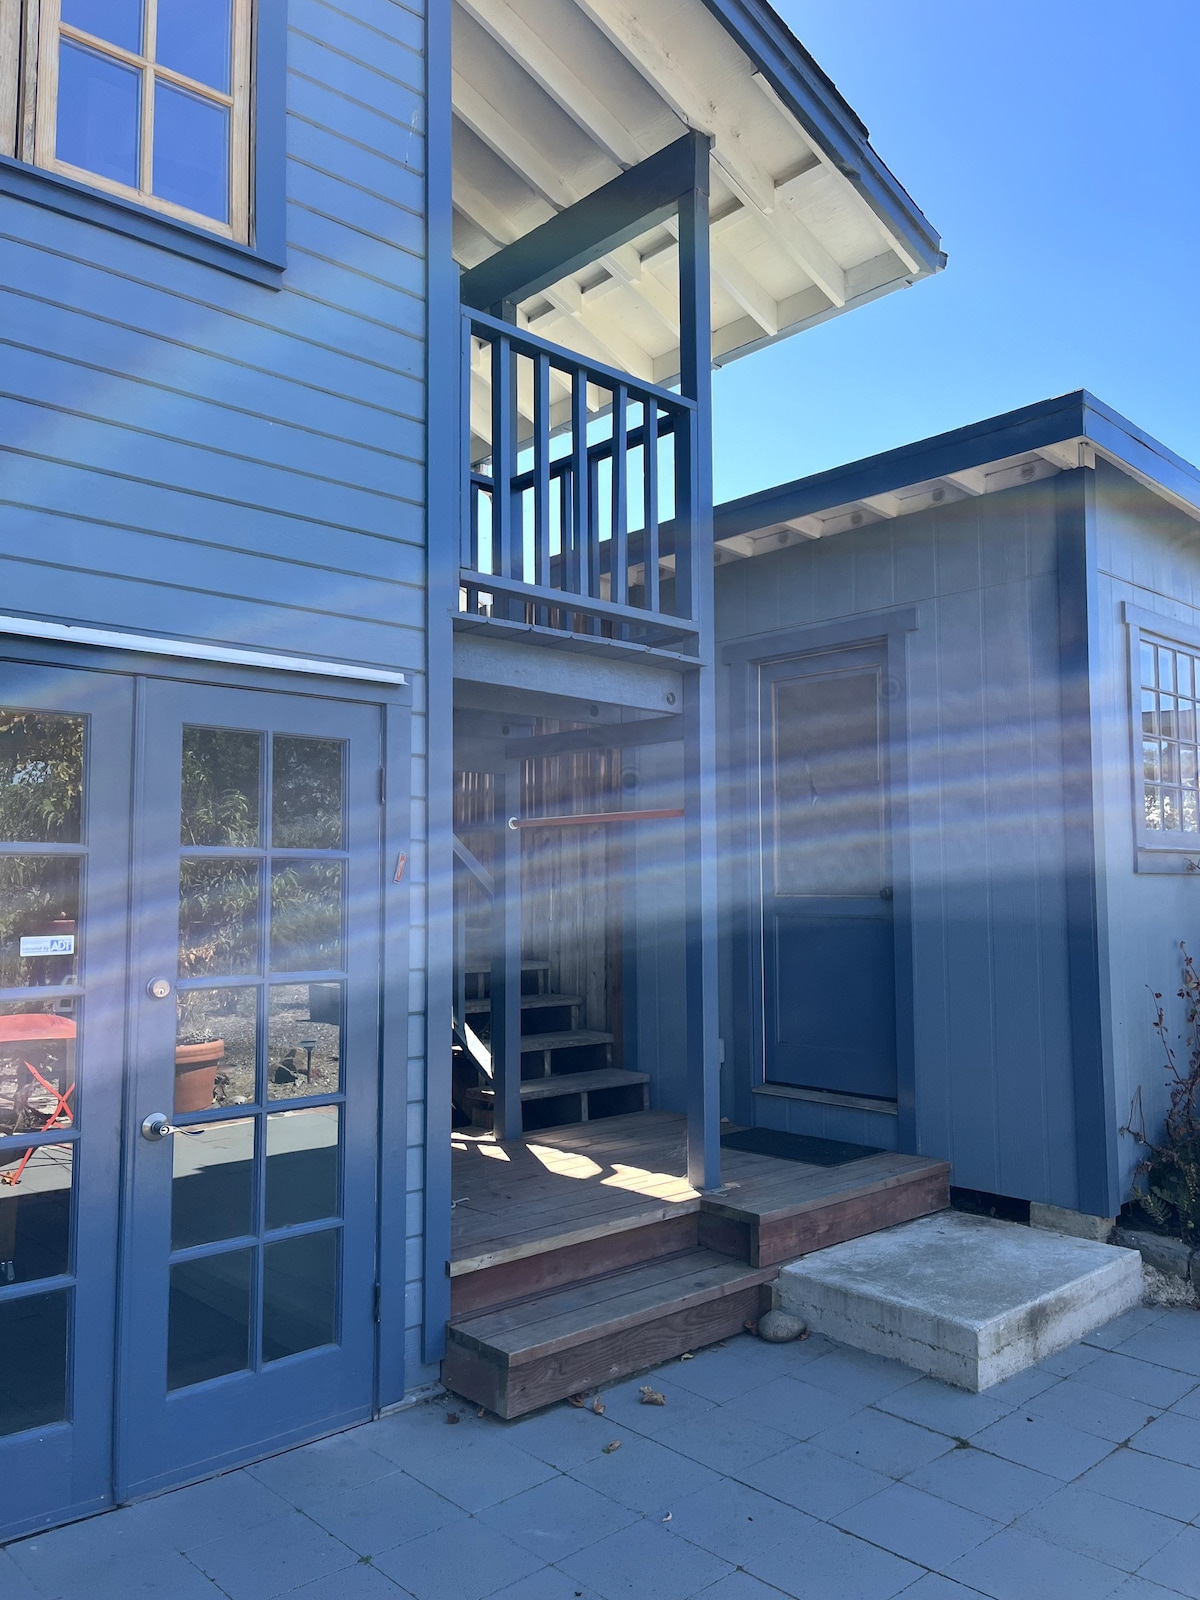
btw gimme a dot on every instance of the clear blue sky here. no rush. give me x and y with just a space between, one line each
1054 147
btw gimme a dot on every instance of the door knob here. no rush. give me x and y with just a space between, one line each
885 893
157 1126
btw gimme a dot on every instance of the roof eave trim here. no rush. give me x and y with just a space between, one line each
1049 422
828 118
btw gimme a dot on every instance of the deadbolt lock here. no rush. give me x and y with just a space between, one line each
158 988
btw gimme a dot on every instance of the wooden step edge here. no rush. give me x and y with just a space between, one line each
529 1002
474 968
727 1205
583 1235
746 1277
571 1039
565 1083
516 1392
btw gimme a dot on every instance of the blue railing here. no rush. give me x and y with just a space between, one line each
580 485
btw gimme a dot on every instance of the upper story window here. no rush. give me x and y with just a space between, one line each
145 99
1170 709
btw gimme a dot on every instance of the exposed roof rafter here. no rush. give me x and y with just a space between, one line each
742 172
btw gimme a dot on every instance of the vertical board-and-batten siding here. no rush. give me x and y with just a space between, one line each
985 848
186 452
1147 555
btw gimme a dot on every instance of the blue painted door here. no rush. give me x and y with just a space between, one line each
65 771
249 1245
827 949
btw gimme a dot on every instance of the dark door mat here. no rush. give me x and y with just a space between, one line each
797 1147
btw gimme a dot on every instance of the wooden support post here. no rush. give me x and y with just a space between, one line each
694 592
506 956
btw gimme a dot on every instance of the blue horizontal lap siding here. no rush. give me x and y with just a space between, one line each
985 847
186 451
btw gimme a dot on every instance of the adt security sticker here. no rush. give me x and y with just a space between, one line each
48 944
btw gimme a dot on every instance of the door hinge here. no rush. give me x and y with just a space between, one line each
378 1302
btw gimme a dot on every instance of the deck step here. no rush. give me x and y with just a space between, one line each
554 1344
772 1219
560 1083
570 1039
529 1002
476 969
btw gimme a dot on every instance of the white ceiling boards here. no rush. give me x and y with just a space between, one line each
554 98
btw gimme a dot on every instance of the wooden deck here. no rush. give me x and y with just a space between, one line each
569 1186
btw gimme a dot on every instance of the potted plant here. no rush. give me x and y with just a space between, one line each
196 1074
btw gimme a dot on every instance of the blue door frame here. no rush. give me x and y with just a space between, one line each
828 957
747 660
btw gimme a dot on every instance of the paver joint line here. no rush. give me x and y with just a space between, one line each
863 1481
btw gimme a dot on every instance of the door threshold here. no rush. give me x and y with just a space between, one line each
827 1097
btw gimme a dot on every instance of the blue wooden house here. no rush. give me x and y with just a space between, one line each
961 686
359 956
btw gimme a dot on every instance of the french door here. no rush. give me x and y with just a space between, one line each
65 769
189 1056
828 947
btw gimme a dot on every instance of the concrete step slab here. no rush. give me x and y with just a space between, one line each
966 1299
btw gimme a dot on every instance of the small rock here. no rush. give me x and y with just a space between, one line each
780 1327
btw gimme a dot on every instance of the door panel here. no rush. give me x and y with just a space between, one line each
65 762
249 1305
828 955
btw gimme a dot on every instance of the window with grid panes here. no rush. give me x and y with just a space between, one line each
148 100
1170 698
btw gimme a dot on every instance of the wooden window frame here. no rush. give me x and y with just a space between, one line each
1164 849
29 107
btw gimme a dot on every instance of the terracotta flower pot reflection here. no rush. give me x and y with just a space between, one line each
196 1074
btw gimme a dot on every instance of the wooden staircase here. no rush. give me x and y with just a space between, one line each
551 1294
567 1071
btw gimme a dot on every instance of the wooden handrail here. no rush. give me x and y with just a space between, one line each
516 823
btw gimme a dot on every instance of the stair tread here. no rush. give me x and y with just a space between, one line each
538 1327
568 1039
529 1002
474 967
559 1083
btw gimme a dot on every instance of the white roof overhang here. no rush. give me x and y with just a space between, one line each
1021 447
553 98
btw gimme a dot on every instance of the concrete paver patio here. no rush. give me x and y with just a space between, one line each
800 1470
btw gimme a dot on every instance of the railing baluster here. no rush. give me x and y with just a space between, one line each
618 567
503 460
580 476
469 533
541 469
650 477
516 561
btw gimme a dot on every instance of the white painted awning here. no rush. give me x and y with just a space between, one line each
553 98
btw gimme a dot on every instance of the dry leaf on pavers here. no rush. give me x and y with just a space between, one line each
453 1416
687 1357
482 1412
750 1327
667 1518
577 1400
609 1448
598 1406
651 1397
